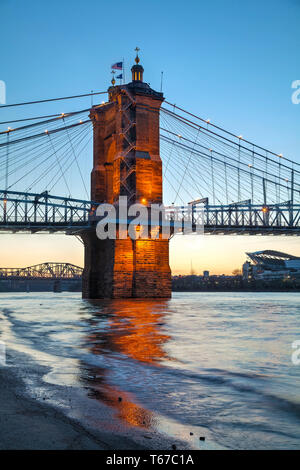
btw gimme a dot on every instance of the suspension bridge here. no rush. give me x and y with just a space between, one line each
243 187
45 167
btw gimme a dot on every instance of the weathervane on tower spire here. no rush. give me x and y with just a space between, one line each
137 59
137 69
113 81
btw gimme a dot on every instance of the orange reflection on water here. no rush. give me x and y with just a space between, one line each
127 410
135 330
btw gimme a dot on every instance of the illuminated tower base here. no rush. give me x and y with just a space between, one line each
125 268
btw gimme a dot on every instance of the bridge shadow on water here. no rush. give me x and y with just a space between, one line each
134 331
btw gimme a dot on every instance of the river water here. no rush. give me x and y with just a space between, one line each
216 365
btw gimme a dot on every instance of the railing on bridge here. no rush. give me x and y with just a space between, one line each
21 211
43 212
274 219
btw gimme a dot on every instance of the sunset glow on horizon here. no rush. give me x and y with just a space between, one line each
217 254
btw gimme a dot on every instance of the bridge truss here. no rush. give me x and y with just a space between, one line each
42 212
48 271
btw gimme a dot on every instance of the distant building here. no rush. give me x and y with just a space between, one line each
269 264
206 274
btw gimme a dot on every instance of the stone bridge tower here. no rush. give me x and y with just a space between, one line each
127 163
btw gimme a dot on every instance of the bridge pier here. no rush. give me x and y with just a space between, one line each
125 268
127 163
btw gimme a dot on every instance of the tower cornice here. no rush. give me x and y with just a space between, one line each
135 88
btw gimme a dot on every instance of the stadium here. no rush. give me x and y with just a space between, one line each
269 264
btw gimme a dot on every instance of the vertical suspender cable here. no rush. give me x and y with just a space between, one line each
264 192
226 180
239 176
292 199
251 176
212 176
7 161
279 186
266 175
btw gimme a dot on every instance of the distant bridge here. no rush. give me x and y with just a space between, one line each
44 271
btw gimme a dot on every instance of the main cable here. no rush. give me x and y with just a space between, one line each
53 99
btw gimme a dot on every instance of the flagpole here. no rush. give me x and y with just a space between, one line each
117 67
123 71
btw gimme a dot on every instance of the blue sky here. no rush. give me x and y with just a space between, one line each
232 62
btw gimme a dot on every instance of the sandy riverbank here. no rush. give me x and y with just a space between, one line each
27 424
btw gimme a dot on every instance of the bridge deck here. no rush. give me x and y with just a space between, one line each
33 213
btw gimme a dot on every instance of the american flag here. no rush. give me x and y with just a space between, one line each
117 66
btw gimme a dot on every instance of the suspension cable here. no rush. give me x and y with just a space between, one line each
227 132
53 99
187 121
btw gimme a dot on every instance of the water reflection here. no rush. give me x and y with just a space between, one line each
133 329
216 364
